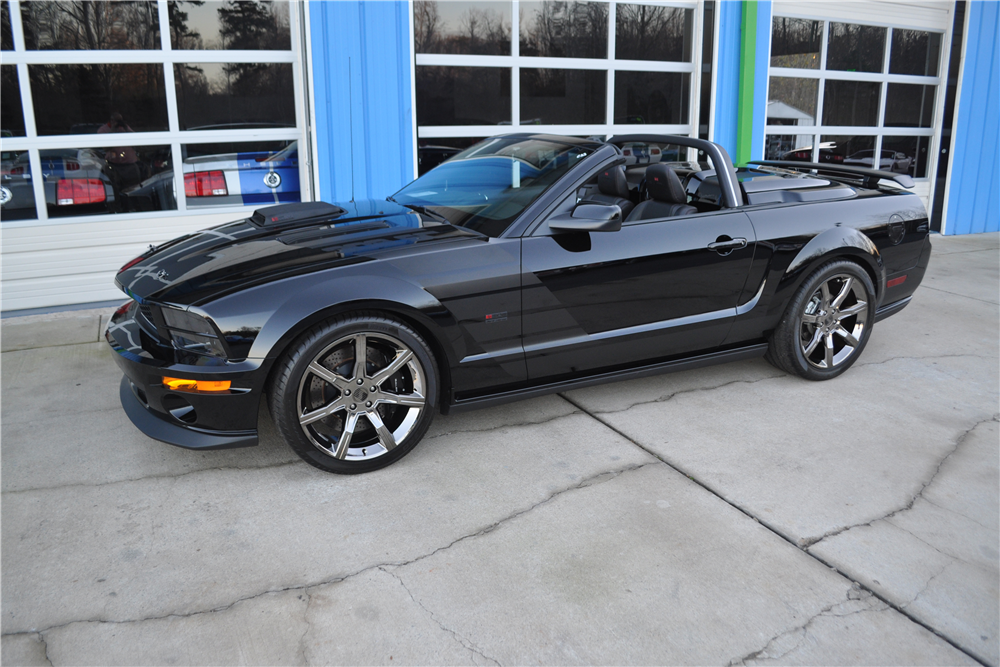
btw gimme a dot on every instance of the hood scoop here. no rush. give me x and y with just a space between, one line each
293 215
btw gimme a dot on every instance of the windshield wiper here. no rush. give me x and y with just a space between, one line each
421 209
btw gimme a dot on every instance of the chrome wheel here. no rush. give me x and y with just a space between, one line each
361 397
834 321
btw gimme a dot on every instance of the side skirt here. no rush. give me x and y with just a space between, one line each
632 373
891 309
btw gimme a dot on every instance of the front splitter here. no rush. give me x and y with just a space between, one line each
159 428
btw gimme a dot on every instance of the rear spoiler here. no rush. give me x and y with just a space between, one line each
871 177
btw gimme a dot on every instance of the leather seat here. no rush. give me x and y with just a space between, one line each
668 198
613 188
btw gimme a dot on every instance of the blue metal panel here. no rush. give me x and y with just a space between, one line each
761 62
727 78
361 85
974 192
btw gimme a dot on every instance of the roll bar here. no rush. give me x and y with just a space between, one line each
731 193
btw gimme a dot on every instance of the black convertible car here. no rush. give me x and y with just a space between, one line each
525 264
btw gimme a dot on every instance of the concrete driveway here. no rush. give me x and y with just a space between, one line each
731 515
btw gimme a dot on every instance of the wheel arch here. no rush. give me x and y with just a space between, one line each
391 297
837 243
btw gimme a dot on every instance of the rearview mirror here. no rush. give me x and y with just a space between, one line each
588 218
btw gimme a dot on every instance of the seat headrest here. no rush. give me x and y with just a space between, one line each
612 182
664 185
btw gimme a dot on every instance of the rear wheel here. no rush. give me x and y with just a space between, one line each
355 393
827 324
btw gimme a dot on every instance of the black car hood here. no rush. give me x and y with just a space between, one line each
197 268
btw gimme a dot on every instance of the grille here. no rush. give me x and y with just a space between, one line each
147 321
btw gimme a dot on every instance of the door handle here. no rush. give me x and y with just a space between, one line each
725 245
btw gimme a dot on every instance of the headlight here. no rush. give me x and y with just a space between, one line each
193 333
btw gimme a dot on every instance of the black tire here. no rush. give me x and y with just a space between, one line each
827 324
344 426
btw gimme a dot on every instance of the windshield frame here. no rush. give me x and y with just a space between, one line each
514 224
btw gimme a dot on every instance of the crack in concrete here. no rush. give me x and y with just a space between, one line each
465 642
308 624
928 584
778 533
808 543
598 478
664 399
45 649
964 296
501 426
854 594
941 253
667 397
918 358
957 513
286 464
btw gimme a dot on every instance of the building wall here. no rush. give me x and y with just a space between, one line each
973 191
362 92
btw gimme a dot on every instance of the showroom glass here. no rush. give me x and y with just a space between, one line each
563 96
796 147
220 96
115 178
647 32
847 150
250 173
17 194
235 26
855 48
105 91
564 29
463 95
908 155
796 42
486 187
792 101
11 114
850 103
908 105
652 97
51 25
79 99
882 58
6 36
470 28
914 52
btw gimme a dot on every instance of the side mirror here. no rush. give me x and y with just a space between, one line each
588 218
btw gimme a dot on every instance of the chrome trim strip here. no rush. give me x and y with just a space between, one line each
626 331
752 303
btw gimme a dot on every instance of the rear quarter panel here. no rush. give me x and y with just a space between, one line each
795 239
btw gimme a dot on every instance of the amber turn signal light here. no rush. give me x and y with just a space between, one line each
196 385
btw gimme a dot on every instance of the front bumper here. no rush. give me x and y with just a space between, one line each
156 425
191 419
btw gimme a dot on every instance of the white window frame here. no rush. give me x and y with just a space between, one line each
515 61
174 136
883 77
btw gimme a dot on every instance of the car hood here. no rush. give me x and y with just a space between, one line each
199 267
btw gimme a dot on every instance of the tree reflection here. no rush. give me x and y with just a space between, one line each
564 29
473 28
646 32
250 25
90 25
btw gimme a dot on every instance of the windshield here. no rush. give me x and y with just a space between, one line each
486 187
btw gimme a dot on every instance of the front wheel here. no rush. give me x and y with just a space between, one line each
355 393
827 324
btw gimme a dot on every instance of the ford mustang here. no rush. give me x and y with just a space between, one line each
524 265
